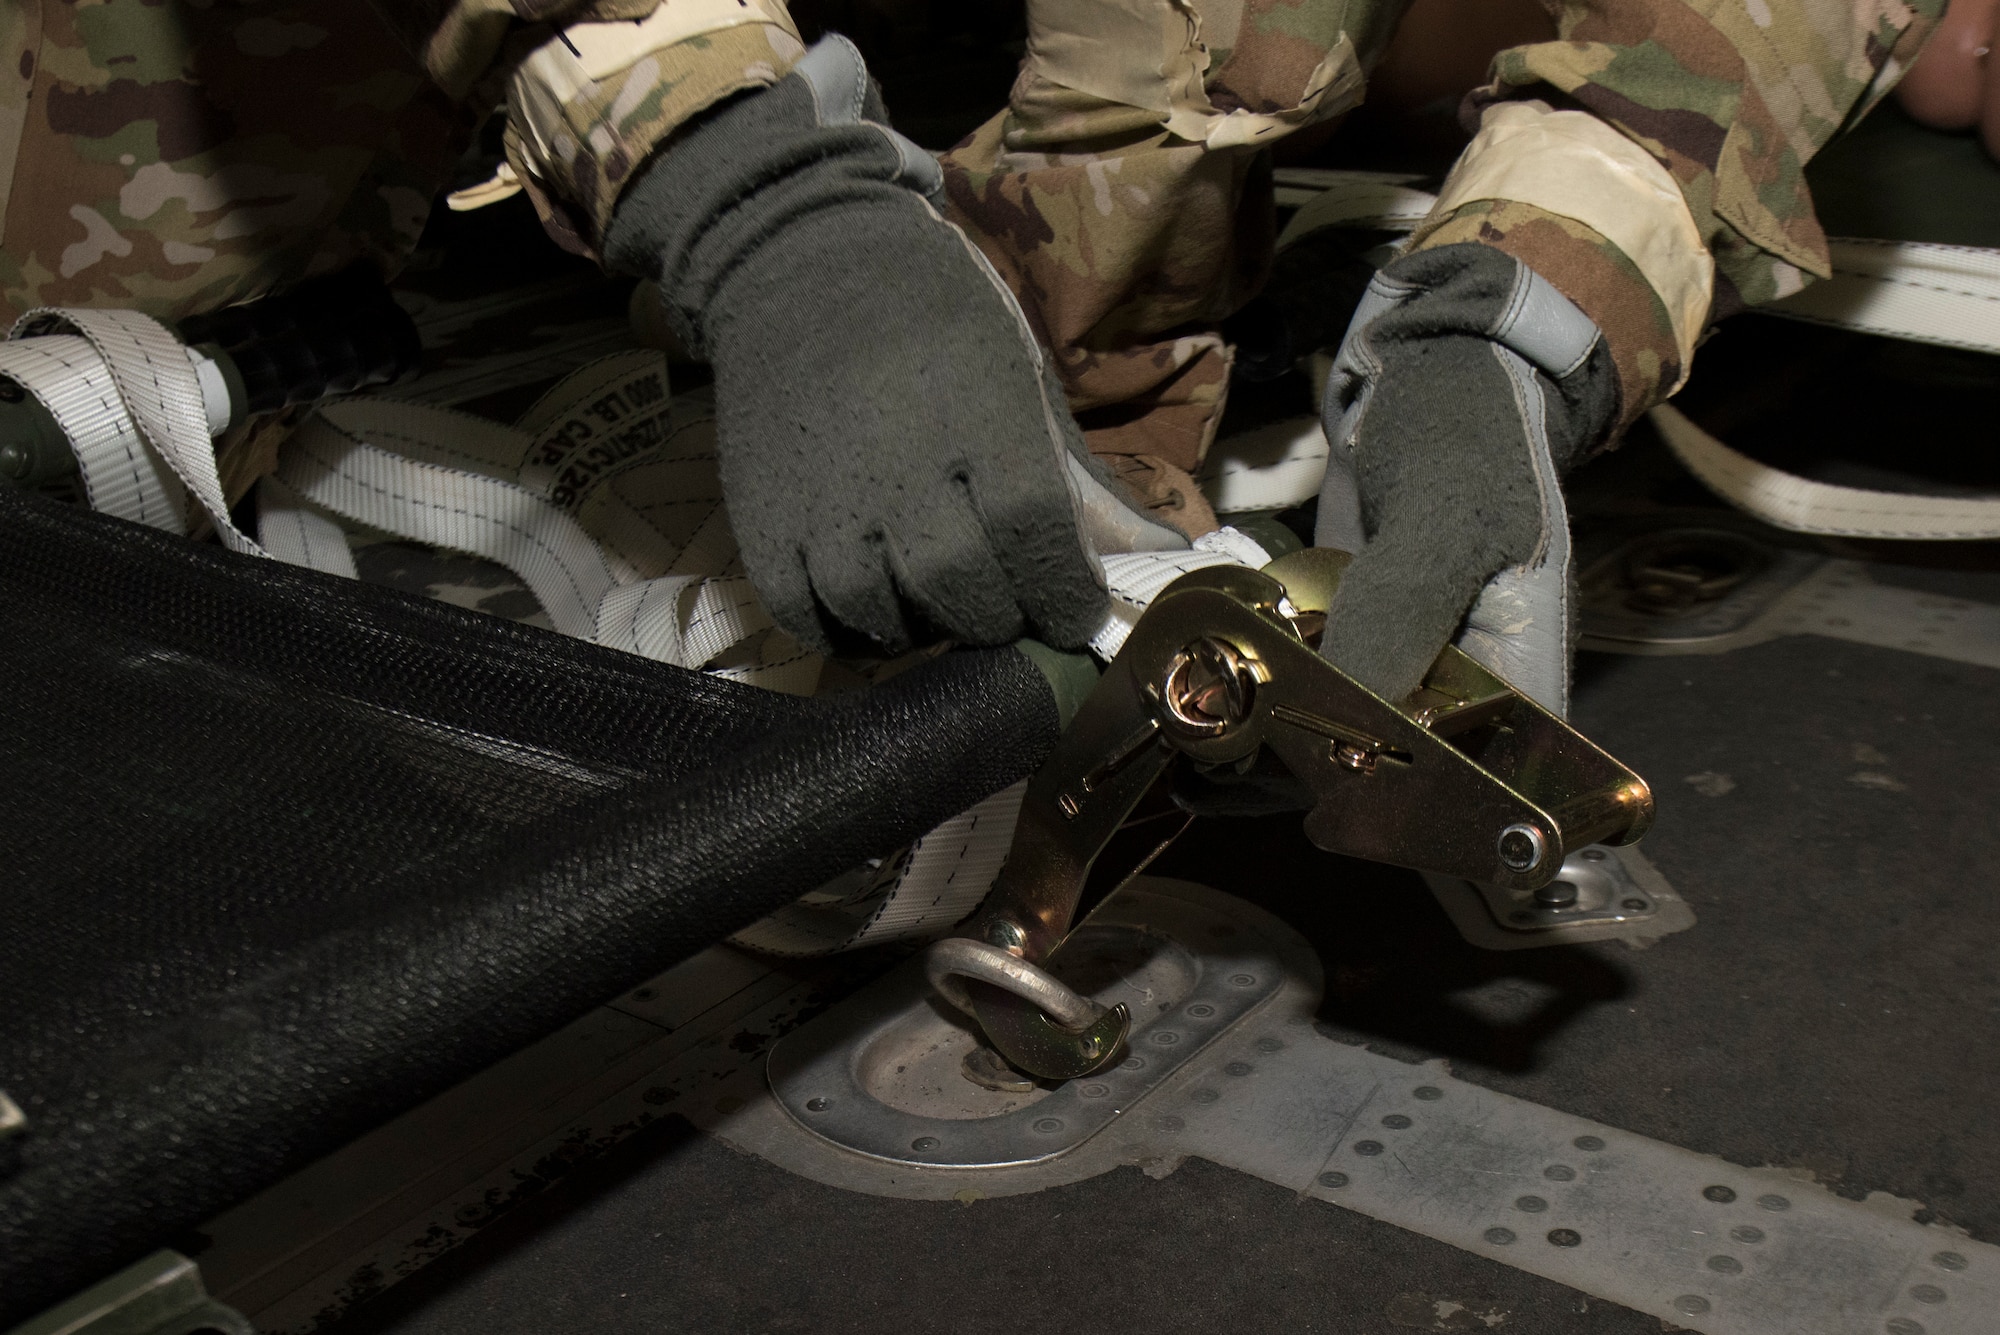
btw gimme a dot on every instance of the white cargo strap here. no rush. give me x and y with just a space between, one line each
595 453
1945 295
157 392
1927 293
293 532
1800 505
933 886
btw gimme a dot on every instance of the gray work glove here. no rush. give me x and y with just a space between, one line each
896 455
1465 388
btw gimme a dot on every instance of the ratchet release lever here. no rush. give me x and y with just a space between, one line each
1467 777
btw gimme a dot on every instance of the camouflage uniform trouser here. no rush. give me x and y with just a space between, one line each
172 156
1122 194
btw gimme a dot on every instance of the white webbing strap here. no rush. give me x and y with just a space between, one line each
534 497
1927 293
1801 505
293 532
1136 578
121 476
329 463
684 619
159 388
939 881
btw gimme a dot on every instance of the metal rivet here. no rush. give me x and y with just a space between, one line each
1927 1293
924 1144
1006 935
1636 905
1774 1203
1565 1237
1169 1123
1588 1143
1238 1068
1201 1010
1557 895
1270 1045
1396 1121
1367 1147
1333 1179
1204 1096
1948 1261
1594 854
1094 1091
1499 1237
1243 980
1720 1195
1559 1172
1048 1126
1725 1265
1747 1233
1693 1304
818 1105
1902 1325
1166 1038
1530 1204
1428 1093
1132 1064
1522 847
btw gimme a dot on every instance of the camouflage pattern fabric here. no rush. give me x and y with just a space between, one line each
1127 244
1592 272
1733 99
576 146
171 157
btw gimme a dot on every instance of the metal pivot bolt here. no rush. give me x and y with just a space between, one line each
1006 935
1522 847
1207 688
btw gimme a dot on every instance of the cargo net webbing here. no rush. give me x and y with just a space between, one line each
288 854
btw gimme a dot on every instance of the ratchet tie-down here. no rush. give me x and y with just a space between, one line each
1467 778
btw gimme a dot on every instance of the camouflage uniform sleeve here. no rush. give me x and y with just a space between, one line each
594 86
1731 99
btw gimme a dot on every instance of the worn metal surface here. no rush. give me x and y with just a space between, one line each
1714 587
1698 1242
328 1239
1467 778
881 1075
1601 894
1619 896
162 1294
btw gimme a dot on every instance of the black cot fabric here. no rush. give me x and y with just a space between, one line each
287 854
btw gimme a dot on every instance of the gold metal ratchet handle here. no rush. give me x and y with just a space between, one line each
1468 778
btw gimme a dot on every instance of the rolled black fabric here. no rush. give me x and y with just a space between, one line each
289 854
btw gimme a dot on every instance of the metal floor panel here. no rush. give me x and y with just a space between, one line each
1825 806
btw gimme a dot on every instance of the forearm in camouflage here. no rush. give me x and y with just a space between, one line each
594 86
1733 99
577 142
1592 272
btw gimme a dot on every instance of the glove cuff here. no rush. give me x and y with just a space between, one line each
736 182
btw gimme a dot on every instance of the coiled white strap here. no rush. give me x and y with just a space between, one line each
159 394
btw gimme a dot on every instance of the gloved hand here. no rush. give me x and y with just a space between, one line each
1465 388
896 455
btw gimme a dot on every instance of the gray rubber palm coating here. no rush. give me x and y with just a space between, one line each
1440 412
